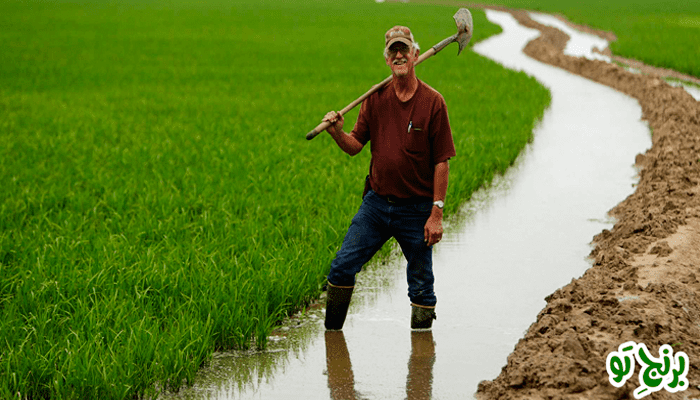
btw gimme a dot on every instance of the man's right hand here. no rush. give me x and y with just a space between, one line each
336 121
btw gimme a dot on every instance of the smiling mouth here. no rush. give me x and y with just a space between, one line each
400 62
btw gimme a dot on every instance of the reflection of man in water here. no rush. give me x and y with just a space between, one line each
411 143
419 382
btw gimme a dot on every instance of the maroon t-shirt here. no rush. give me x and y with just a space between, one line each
407 140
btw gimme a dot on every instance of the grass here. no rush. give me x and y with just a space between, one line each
158 200
659 33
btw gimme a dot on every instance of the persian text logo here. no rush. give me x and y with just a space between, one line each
665 372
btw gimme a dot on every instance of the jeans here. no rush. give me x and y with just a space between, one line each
376 222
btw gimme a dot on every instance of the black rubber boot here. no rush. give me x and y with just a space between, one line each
337 302
422 317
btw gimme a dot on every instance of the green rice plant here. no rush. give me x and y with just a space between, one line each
158 200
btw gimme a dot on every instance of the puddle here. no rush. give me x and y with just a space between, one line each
518 242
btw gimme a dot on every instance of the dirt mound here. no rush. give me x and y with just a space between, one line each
644 282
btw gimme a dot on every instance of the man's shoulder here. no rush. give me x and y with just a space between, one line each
381 93
429 89
430 92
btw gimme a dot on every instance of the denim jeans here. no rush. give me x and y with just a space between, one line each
376 222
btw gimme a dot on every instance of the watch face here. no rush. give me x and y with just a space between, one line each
440 204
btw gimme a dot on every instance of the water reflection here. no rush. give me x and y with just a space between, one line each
419 383
341 380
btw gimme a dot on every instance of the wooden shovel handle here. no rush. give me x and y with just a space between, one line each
324 125
317 130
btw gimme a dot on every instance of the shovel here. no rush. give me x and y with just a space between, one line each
463 20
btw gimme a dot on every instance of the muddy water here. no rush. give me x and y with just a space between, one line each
516 243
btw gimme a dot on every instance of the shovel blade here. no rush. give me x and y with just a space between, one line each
465 28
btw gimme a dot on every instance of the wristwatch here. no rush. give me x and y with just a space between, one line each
439 203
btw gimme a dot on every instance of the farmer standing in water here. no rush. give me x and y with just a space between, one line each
411 142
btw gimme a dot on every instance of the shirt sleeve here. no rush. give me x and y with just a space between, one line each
443 145
361 130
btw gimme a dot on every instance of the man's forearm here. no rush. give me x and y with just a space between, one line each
432 232
347 143
442 172
440 180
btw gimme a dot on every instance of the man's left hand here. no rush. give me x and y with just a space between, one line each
433 227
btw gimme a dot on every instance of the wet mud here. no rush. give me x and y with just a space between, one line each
643 285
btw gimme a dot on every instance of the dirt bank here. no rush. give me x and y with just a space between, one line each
643 284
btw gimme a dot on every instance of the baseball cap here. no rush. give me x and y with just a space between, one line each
398 34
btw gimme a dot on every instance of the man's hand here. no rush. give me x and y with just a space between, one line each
433 227
336 121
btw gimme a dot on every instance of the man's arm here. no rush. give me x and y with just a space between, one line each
433 227
346 142
442 172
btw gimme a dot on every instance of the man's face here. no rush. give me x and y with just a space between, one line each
401 58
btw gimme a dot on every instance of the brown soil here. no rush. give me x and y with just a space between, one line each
643 284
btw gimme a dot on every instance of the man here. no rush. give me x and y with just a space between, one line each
411 143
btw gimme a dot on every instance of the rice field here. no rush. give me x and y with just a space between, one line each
158 200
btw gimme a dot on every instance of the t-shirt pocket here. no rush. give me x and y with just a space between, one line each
416 140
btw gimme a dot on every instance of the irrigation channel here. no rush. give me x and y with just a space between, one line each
519 241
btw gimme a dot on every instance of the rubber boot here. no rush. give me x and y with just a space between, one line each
337 302
422 317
